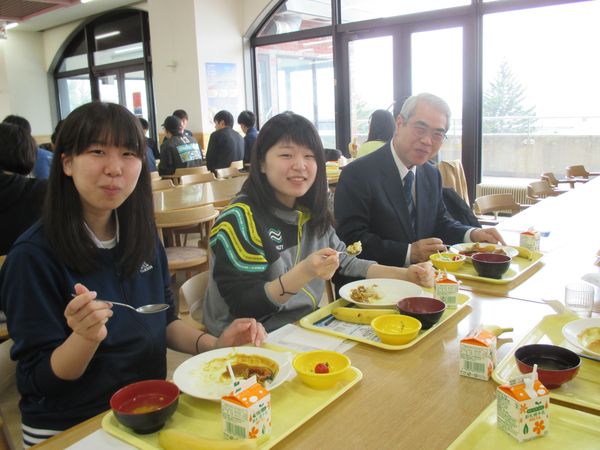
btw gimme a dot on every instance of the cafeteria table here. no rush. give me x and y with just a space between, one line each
415 398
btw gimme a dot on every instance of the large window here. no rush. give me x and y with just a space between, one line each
540 97
116 44
519 76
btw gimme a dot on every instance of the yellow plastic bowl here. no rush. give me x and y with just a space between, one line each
396 329
305 363
455 261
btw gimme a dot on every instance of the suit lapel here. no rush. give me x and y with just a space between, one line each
392 186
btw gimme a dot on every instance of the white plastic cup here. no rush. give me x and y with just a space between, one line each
579 298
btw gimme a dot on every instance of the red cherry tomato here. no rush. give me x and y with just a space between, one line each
322 368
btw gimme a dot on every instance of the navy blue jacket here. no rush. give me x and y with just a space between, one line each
35 288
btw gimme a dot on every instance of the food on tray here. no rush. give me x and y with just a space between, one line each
354 249
322 368
482 248
590 339
358 315
244 366
365 294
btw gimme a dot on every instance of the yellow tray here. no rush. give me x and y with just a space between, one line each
364 333
569 428
292 404
583 390
517 268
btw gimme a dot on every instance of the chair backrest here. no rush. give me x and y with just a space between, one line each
197 178
550 178
185 217
237 164
539 190
453 176
154 176
191 171
192 292
229 172
494 203
577 171
162 185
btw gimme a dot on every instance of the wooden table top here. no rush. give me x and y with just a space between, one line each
414 398
218 192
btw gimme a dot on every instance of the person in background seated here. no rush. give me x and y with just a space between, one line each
391 200
43 159
96 242
183 116
149 141
246 121
225 144
274 246
149 150
381 130
21 197
177 151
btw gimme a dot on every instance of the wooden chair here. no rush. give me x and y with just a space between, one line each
197 178
154 175
228 172
182 257
579 171
162 185
539 190
192 292
555 182
453 176
191 171
237 164
494 203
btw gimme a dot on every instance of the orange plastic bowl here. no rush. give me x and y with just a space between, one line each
145 406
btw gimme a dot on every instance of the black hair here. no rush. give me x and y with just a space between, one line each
18 121
144 123
181 114
104 124
17 149
224 116
56 130
247 118
382 126
290 127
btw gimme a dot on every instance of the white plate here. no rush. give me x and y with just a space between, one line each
572 330
193 377
457 248
391 292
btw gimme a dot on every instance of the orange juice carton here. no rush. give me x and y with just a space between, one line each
523 407
530 239
246 411
478 354
446 289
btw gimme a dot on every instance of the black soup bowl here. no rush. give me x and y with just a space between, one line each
491 265
145 406
556 365
426 310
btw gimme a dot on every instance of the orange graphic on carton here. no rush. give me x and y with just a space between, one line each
478 354
519 393
246 412
446 289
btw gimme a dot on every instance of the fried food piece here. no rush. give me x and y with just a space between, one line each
354 249
364 294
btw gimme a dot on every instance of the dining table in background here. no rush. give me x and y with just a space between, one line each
415 398
218 192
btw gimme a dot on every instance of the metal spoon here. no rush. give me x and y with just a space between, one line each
144 309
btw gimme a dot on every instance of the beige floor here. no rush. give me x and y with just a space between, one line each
9 399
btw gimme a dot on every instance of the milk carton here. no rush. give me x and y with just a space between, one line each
446 289
530 239
478 354
523 407
246 411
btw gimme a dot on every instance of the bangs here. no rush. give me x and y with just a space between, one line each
103 124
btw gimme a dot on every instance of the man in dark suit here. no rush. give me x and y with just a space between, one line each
391 200
225 145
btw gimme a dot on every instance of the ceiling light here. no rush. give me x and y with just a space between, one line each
10 25
107 35
86 1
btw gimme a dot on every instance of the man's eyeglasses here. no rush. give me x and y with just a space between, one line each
437 137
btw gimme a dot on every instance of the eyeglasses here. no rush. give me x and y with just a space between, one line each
420 131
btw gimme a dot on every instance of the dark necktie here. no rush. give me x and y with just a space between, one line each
408 183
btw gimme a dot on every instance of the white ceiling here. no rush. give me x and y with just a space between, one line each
70 13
